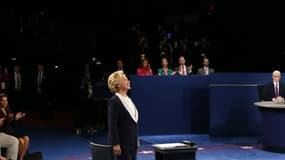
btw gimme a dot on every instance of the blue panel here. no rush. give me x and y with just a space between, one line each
221 104
232 111
231 103
171 104
240 78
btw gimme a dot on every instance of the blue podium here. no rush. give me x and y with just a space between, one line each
273 126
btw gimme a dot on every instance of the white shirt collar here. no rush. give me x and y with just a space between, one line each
129 106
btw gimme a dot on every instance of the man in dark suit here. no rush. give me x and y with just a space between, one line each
86 95
275 90
17 88
40 81
206 69
182 69
40 85
122 118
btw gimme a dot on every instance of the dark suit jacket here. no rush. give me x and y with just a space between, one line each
188 70
202 71
43 86
268 91
84 88
12 81
122 128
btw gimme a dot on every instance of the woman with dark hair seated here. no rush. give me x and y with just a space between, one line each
164 70
7 127
145 69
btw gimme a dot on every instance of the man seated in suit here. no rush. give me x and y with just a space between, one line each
205 70
274 90
182 69
119 65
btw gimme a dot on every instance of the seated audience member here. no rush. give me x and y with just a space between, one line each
145 69
4 80
119 65
165 70
7 127
274 90
182 69
86 95
142 56
9 142
206 69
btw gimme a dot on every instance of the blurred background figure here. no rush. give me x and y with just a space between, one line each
4 79
165 70
17 88
206 69
145 69
120 65
183 69
41 92
87 112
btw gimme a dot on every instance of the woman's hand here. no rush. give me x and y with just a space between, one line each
117 149
190 68
20 115
2 121
11 117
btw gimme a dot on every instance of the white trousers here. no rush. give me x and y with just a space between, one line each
12 145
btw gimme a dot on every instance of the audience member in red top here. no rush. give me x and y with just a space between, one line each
145 69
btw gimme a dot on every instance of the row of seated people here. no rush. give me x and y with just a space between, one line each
182 69
16 144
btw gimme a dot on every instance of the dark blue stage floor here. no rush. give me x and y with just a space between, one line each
64 144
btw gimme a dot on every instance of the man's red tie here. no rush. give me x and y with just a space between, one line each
276 90
183 70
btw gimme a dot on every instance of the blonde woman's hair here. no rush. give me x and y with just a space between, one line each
113 81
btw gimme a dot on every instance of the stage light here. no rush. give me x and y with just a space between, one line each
169 35
146 152
93 59
201 149
56 67
14 59
246 147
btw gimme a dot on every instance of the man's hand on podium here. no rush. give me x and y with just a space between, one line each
279 99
